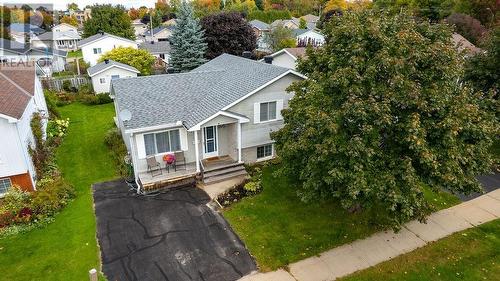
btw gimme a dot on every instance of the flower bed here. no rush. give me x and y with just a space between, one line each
245 189
20 210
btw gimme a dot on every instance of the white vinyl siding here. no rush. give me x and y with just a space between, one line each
156 143
5 184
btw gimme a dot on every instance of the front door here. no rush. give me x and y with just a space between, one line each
210 142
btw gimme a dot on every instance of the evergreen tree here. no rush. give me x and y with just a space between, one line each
187 41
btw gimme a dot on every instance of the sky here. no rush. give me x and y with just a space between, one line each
61 4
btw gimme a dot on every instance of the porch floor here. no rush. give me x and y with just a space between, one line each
166 177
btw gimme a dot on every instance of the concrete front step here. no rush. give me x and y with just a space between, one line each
223 171
223 167
224 176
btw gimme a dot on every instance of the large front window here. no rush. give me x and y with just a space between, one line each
267 111
168 141
5 184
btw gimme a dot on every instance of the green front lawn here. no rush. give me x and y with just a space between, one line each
67 249
279 229
75 54
470 255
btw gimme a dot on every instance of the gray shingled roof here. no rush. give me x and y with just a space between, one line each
158 29
260 25
98 36
111 63
161 47
191 97
13 46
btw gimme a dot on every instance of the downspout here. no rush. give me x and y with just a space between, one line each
134 162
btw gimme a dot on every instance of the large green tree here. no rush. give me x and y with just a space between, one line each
483 70
382 114
142 60
111 19
279 38
187 41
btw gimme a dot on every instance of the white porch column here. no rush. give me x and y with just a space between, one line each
197 151
239 141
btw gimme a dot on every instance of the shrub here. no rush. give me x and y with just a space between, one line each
252 187
118 150
52 195
92 99
57 127
468 27
15 200
51 100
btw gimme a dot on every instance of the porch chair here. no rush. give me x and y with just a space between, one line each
180 160
153 166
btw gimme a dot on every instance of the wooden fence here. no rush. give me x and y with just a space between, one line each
57 83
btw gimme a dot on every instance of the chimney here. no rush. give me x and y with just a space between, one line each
268 59
247 54
106 61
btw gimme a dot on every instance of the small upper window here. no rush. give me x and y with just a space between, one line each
267 111
97 51
5 184
102 80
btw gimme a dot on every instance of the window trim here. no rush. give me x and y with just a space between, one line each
265 157
156 153
102 80
10 182
97 51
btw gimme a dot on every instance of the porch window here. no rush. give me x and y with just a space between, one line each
5 184
163 142
264 151
267 111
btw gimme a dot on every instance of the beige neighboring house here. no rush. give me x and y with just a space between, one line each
159 34
81 15
170 22
286 58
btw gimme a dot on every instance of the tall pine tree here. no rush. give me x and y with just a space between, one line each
187 41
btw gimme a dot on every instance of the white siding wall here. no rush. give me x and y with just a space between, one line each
104 87
255 134
12 157
106 44
285 60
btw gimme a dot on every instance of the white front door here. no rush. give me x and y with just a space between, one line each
210 142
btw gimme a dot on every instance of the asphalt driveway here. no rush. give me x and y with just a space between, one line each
169 236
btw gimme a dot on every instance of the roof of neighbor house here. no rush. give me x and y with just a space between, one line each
162 47
158 29
298 32
260 25
58 35
137 22
105 65
25 27
464 44
310 18
295 21
49 51
17 86
170 22
193 96
13 46
99 36
25 48
297 52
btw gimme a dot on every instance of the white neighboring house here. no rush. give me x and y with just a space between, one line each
62 37
103 72
306 37
160 33
286 58
20 97
139 28
161 50
215 117
96 45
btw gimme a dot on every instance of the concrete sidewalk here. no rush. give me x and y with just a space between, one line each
384 246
